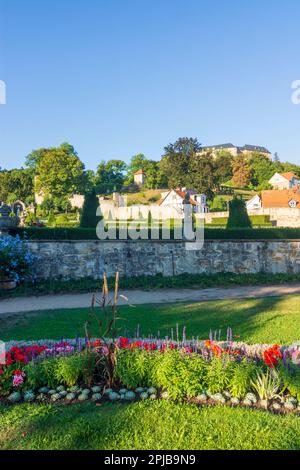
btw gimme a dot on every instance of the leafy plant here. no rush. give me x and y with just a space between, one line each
267 384
15 258
134 368
70 370
179 373
240 381
219 373
290 380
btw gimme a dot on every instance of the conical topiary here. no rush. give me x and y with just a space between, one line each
238 215
88 218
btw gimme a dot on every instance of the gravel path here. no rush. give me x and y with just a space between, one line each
51 302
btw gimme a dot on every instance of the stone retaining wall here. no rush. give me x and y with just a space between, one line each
79 259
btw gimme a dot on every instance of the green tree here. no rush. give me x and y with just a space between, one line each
202 177
88 218
59 173
238 215
16 184
218 204
262 169
110 175
242 171
155 178
223 167
51 218
176 161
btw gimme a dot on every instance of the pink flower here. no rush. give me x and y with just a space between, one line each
18 378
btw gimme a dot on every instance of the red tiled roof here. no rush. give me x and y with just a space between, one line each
289 175
279 198
140 172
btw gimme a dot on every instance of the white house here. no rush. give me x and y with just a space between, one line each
284 180
175 197
254 203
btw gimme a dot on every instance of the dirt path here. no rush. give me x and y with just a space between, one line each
52 302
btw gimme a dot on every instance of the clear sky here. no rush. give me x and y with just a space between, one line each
118 77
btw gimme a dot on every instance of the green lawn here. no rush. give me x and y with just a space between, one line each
144 425
269 320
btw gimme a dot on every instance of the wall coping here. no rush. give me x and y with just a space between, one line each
230 240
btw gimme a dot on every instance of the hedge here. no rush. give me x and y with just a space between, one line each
35 233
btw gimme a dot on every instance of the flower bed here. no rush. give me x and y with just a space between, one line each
203 372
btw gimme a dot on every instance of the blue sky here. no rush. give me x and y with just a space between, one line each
119 77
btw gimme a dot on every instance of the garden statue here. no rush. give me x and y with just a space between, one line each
8 219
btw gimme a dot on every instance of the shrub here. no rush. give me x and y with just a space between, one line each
40 374
15 258
178 373
134 367
70 370
267 384
290 379
51 218
181 374
238 216
88 218
219 374
240 381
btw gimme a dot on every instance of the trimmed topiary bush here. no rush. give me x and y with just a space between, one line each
238 216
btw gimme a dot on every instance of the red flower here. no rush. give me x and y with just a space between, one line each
271 355
124 342
18 372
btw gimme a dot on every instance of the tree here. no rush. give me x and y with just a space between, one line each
59 173
16 184
238 215
35 157
202 177
51 218
223 167
155 177
242 172
110 175
88 218
176 161
262 169
219 204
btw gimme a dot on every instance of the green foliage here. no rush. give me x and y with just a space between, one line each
177 159
219 204
240 380
290 380
210 233
266 384
51 218
219 373
59 171
134 367
70 370
41 374
110 175
15 185
88 218
180 374
238 216
31 219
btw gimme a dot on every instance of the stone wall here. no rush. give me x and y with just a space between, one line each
79 259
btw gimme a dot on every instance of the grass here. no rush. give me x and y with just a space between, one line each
265 320
145 425
158 281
